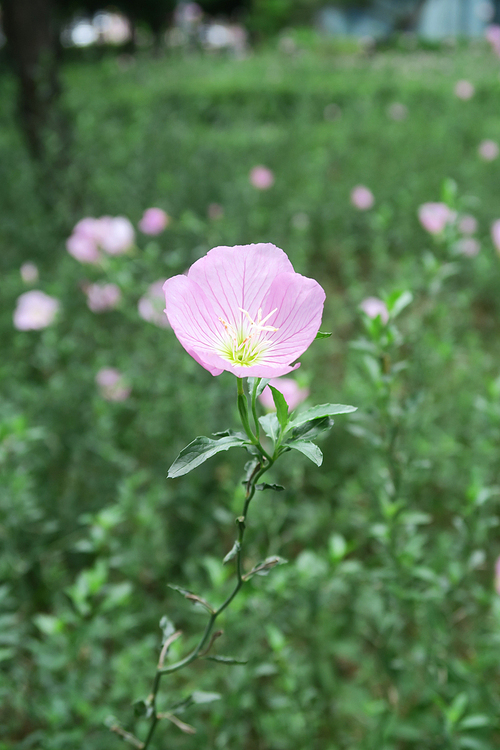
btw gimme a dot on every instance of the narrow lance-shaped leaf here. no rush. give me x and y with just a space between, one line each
323 410
199 450
323 335
260 387
232 552
310 450
281 407
270 425
226 659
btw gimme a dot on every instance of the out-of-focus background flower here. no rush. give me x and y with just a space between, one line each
361 137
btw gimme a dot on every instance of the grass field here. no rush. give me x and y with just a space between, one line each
383 629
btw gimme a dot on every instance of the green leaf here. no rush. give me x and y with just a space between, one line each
226 659
323 410
199 450
475 721
142 708
281 407
312 429
262 384
232 552
187 594
308 449
263 568
397 302
199 696
167 627
322 335
265 486
270 425
457 708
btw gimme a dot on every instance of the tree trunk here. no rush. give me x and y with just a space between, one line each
32 41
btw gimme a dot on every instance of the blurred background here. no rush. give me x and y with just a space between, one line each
363 139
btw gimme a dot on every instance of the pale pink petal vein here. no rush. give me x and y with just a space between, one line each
244 309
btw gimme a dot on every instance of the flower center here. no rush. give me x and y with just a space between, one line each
246 346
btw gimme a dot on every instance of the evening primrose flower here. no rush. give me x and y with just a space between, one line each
435 216
373 307
244 309
154 221
35 310
362 198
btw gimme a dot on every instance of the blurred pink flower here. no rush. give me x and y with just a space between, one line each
362 198
373 306
116 234
397 111
244 309
215 211
464 90
154 221
293 393
151 305
83 248
261 178
495 234
497 576
467 224
88 227
102 297
112 384
435 216
29 273
35 310
468 246
488 150
493 37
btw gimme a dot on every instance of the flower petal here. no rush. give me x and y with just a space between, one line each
192 317
299 302
239 277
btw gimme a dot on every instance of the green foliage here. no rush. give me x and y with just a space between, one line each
383 628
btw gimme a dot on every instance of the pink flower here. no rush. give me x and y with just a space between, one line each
373 306
243 309
112 384
293 393
102 297
493 37
464 90
215 211
154 221
88 227
83 248
488 150
467 224
435 216
29 273
362 198
495 234
468 246
116 234
151 305
35 310
261 178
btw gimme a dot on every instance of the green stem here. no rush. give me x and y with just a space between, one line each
254 407
243 410
265 463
